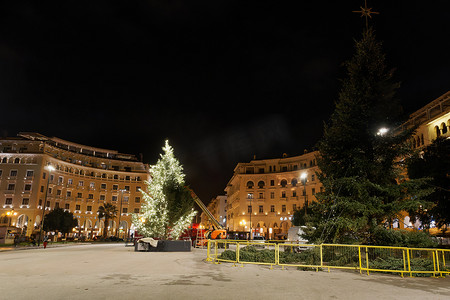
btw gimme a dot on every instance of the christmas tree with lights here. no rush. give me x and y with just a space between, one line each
168 206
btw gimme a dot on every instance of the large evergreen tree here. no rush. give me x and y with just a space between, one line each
360 168
168 206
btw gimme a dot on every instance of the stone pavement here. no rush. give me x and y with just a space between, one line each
112 271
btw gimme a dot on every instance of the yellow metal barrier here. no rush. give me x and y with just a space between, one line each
401 260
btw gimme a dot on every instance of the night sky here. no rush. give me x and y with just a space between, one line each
222 80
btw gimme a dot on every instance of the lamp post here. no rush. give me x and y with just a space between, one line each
50 168
10 214
304 178
120 212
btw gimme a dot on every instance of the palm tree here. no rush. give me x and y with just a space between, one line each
109 212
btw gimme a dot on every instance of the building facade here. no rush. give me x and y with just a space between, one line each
433 120
81 179
263 194
218 208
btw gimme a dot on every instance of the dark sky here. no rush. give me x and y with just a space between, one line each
223 80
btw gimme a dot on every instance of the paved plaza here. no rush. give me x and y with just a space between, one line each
112 271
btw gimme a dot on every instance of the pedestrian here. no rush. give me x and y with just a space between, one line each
16 240
45 241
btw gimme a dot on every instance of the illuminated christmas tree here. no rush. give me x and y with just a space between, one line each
168 206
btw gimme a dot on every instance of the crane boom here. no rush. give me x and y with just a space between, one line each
206 211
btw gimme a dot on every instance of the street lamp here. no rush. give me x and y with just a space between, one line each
303 179
50 169
120 212
382 131
10 214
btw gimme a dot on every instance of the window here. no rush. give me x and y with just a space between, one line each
138 188
78 207
127 188
114 198
126 199
283 183
27 187
17 160
1 172
136 210
261 184
67 206
294 207
30 173
272 195
443 128
89 208
313 191
8 201
102 197
103 186
56 204
283 194
79 195
272 182
60 179
272 208
70 181
137 199
283 208
313 177
261 209
92 185
250 184
11 187
4 161
91 196
249 209
47 204
125 210
81 183
250 196
284 168
261 196
115 187
437 130
294 193
294 182
69 194
13 173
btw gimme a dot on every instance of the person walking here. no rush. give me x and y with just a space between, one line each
45 241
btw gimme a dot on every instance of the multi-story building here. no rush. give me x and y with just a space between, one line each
218 208
39 173
433 120
263 194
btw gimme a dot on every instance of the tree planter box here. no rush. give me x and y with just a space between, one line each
165 246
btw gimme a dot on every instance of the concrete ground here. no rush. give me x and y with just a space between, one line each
112 271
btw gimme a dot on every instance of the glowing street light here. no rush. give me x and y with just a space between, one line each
50 169
382 131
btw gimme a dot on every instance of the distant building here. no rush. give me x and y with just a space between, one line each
263 194
83 179
218 207
433 120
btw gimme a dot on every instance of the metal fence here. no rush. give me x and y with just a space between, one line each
400 260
